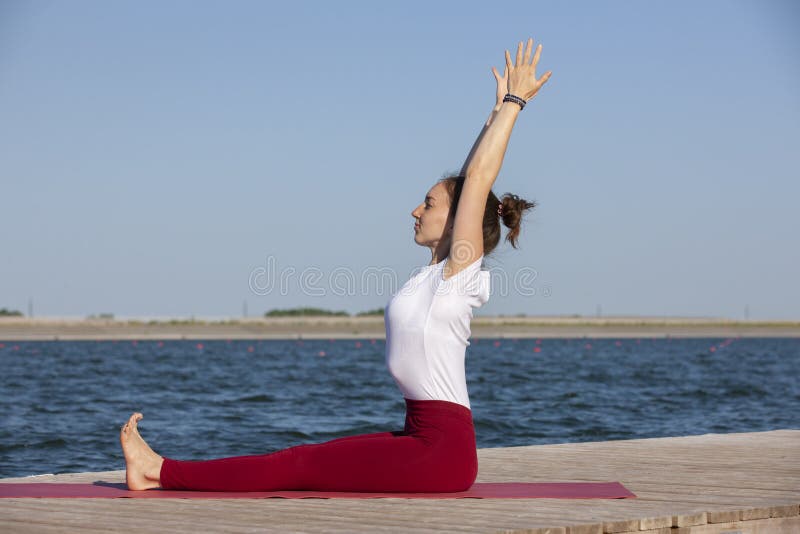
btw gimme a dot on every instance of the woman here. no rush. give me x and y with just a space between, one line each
427 331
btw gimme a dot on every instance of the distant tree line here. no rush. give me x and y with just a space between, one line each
318 312
5 312
101 316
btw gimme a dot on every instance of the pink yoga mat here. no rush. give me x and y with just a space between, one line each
479 490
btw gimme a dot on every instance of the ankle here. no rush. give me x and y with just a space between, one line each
154 472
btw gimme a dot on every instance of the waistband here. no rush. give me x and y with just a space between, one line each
429 408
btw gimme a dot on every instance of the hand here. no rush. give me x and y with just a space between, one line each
502 84
522 80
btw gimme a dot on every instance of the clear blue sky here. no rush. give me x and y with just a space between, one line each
154 155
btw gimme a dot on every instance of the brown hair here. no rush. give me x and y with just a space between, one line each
514 209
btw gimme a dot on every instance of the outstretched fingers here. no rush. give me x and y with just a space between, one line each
528 52
498 76
522 75
536 56
526 58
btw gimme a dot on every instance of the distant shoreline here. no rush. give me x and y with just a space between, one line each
343 327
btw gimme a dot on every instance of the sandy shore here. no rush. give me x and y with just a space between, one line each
22 329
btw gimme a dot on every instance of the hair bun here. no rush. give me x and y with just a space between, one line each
514 207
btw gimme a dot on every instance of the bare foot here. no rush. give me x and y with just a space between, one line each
142 464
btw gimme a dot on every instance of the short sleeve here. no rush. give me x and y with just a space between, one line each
472 284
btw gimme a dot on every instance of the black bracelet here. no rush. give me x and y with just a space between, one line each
517 100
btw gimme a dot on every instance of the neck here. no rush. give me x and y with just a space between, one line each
439 253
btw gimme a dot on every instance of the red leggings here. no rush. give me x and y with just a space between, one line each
436 452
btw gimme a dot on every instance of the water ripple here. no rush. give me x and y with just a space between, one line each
61 410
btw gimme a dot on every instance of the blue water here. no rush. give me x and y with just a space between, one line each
62 403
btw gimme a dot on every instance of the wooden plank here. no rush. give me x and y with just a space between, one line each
684 484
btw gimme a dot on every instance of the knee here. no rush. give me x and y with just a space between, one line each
459 477
468 476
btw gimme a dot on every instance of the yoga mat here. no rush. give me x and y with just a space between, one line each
479 490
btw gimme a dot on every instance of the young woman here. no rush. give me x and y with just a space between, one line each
427 331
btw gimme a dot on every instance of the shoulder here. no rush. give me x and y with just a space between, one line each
471 284
453 269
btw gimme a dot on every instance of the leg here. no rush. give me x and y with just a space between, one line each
435 452
347 460
366 436
144 467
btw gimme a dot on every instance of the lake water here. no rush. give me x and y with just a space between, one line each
62 403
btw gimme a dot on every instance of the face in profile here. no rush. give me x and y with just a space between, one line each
431 216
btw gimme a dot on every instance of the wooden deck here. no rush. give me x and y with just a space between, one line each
745 482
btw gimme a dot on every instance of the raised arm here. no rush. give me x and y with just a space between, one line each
502 89
485 159
477 142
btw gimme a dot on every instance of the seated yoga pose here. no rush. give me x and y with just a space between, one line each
427 330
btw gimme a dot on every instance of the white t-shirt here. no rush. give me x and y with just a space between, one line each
428 329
